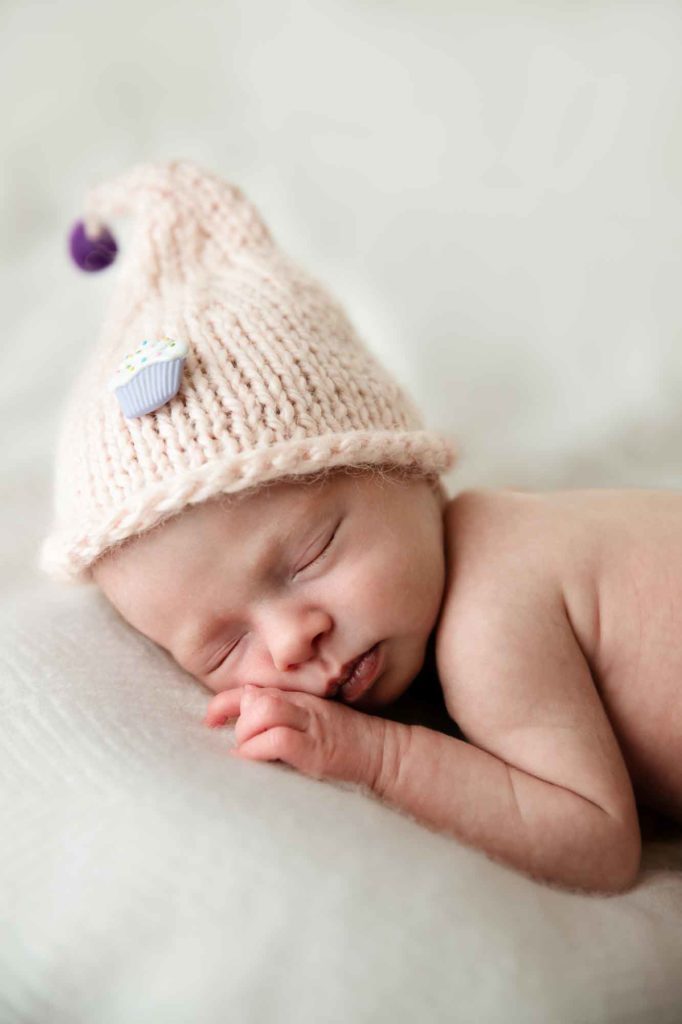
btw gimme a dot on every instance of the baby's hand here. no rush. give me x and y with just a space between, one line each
318 737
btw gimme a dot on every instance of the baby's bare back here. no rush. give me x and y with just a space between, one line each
625 605
616 556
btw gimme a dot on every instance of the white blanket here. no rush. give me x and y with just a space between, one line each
495 196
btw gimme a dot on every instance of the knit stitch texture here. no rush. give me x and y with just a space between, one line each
277 382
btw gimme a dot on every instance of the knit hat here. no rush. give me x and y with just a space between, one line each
221 365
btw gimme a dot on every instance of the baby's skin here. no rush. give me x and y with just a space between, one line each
556 637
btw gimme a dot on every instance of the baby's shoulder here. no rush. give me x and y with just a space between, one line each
504 615
510 553
581 541
504 535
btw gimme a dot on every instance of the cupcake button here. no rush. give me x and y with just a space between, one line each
150 376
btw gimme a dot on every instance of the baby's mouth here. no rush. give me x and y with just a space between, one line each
351 668
361 675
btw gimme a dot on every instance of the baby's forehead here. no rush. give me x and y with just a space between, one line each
270 510
304 493
280 507
266 504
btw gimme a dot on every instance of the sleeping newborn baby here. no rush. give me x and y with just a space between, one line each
254 491
306 608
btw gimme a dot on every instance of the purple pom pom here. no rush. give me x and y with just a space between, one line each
91 253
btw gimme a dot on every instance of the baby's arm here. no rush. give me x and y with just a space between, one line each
544 786
541 828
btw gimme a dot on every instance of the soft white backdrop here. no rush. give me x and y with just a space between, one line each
494 190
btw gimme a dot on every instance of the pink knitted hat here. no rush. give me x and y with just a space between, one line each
221 365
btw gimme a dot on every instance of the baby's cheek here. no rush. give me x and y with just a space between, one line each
388 593
363 585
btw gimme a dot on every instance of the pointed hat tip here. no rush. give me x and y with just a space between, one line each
91 254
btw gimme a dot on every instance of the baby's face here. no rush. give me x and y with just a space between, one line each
285 585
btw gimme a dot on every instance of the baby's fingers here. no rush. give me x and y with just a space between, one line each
278 744
223 706
269 712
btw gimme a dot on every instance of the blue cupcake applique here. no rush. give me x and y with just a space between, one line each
149 377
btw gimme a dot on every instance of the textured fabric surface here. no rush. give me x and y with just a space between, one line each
146 876
496 197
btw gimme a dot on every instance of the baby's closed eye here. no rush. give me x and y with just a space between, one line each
222 656
322 554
